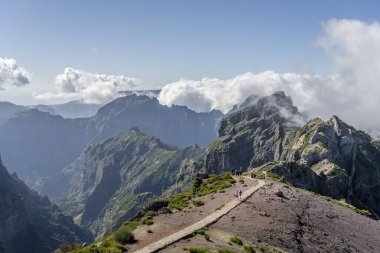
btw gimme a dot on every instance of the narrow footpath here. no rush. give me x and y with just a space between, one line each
210 219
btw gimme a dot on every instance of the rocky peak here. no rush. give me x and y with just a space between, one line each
121 173
334 158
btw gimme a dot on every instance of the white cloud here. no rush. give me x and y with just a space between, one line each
351 92
88 87
208 94
12 73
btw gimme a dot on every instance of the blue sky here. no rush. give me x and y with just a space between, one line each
162 41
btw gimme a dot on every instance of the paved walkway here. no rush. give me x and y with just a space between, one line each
212 218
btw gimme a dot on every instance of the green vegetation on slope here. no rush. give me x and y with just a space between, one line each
357 210
121 174
212 184
114 242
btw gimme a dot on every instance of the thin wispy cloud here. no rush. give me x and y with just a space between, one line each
12 73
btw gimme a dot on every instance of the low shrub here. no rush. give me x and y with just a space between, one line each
327 198
215 183
226 251
198 250
248 248
273 176
123 235
357 210
180 201
236 240
147 221
198 202
201 231
149 213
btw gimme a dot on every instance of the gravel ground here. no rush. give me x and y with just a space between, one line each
166 224
296 221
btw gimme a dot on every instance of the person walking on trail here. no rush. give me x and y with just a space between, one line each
240 194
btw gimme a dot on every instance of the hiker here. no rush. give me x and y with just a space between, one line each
237 194
240 193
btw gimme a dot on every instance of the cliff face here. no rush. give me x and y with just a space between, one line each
254 135
122 173
30 223
346 161
329 157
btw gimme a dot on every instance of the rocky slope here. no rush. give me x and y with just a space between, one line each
294 221
30 223
60 141
253 135
329 157
121 173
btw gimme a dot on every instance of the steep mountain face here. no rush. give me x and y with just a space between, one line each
254 135
345 161
30 223
39 145
330 157
36 144
176 125
121 173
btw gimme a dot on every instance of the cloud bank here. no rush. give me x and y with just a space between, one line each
352 90
12 73
74 84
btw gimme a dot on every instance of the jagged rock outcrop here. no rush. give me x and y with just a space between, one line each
30 223
254 135
122 173
331 158
346 160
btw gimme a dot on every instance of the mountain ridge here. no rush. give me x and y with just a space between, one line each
120 174
61 140
331 158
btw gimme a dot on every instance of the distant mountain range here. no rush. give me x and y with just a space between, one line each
70 110
37 145
330 158
103 168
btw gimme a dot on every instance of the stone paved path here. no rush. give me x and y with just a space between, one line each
212 218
